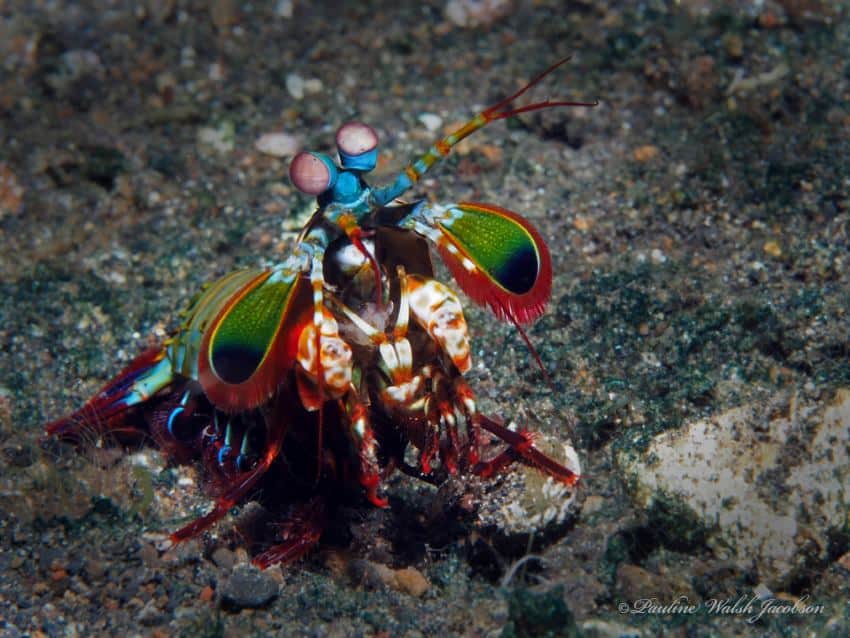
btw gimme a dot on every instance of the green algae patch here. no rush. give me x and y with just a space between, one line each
649 346
543 615
676 525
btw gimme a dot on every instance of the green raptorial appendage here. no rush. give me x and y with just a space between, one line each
499 246
246 333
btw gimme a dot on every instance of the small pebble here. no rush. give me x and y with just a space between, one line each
224 558
80 62
372 575
582 223
645 153
149 614
734 46
762 592
188 57
773 248
222 138
224 13
181 553
473 13
368 574
295 85
284 8
216 72
657 256
207 594
95 569
148 554
313 85
58 574
248 588
431 121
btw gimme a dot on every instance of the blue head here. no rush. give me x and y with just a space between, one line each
317 174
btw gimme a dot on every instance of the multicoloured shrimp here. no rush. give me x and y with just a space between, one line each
318 373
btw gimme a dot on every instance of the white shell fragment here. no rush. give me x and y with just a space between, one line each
277 144
431 121
529 501
474 13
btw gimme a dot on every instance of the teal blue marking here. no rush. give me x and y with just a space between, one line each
383 196
347 188
149 383
364 162
329 164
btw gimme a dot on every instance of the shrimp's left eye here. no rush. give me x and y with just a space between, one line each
357 144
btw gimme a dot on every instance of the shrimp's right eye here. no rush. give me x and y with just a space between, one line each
357 144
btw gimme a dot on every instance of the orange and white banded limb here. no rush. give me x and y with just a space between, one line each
438 310
334 359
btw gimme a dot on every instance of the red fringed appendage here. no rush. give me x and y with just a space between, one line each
106 410
521 448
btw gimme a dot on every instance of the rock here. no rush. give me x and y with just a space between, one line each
368 574
767 482
181 553
372 575
149 614
411 581
224 558
249 588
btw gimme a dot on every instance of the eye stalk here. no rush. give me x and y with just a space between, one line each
357 144
312 173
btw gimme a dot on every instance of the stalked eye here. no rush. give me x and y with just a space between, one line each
312 173
356 138
357 144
